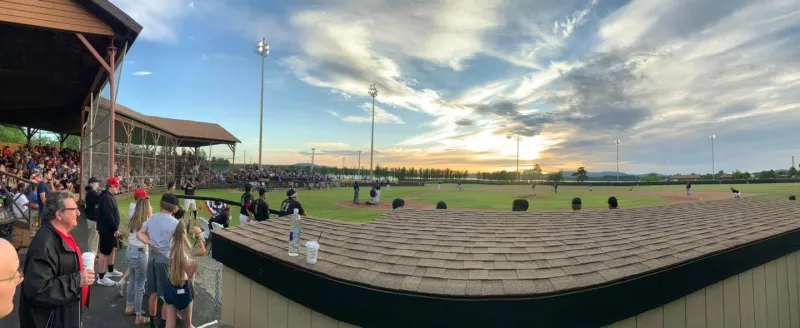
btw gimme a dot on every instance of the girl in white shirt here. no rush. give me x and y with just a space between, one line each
137 254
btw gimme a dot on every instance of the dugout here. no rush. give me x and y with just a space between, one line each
729 263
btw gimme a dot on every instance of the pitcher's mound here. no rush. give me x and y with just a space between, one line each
385 204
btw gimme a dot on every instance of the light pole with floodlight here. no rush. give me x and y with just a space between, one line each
343 173
713 169
262 50
617 142
313 152
373 92
359 164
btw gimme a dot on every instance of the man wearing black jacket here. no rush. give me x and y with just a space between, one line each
56 286
92 198
108 229
262 210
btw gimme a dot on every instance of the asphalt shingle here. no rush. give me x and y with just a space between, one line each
471 253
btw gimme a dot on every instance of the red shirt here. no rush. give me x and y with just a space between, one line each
72 244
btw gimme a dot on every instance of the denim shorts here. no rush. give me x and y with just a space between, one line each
179 297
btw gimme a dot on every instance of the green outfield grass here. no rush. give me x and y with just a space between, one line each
322 203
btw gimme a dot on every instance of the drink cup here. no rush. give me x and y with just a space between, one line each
312 251
88 260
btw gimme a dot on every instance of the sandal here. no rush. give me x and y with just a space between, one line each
132 312
142 321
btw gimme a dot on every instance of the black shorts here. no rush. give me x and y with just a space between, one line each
107 243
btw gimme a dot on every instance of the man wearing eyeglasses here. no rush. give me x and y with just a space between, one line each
10 277
57 286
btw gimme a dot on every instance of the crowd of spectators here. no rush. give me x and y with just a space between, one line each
32 162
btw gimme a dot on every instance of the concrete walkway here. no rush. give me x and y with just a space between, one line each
106 306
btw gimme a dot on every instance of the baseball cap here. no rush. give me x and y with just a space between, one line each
93 180
291 192
113 181
169 199
576 201
140 193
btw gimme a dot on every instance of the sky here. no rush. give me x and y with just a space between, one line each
457 80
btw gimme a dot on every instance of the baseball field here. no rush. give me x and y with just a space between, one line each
336 204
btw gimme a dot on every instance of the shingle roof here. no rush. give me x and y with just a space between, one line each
183 129
484 254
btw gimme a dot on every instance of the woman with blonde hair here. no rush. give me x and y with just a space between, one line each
137 262
179 292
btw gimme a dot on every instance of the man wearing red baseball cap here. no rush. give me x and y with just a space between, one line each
108 228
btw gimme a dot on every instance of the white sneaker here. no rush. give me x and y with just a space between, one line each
121 287
106 281
114 273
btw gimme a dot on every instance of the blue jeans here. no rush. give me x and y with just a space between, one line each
137 264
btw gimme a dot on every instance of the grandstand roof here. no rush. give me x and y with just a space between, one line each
47 72
189 133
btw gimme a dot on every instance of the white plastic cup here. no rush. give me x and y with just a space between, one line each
312 252
88 260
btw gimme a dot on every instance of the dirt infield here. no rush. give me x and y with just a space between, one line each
385 205
680 196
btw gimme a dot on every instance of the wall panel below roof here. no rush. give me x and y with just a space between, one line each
65 16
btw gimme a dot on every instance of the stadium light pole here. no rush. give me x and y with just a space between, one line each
713 172
617 143
313 151
262 50
373 92
343 164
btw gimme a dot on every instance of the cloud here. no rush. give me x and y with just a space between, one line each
327 144
381 116
569 76
157 17
570 23
142 73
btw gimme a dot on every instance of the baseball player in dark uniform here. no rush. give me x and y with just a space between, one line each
288 205
356 189
688 189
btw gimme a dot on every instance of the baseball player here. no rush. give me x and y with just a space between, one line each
736 193
590 187
533 188
440 186
459 186
188 190
555 188
688 189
